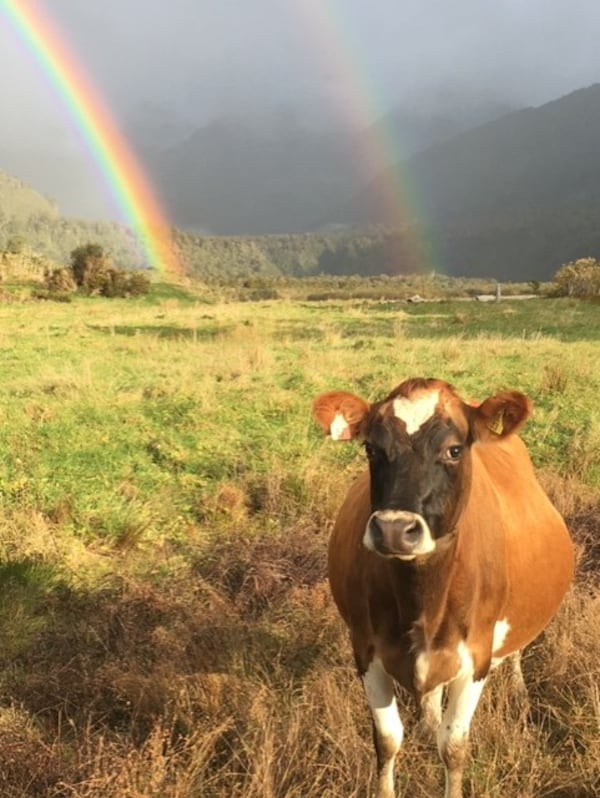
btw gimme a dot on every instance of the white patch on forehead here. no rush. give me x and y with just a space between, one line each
416 411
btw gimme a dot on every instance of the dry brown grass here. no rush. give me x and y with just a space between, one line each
234 678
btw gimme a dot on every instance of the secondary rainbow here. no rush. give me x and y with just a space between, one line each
330 34
107 146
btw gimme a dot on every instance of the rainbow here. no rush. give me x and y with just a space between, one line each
107 146
328 28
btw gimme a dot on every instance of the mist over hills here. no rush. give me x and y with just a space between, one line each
282 173
513 196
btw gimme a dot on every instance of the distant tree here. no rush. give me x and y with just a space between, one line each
16 245
86 260
579 278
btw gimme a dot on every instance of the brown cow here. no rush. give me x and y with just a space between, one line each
446 556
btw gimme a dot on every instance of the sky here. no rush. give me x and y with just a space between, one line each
165 67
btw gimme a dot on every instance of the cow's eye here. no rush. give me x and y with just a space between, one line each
453 453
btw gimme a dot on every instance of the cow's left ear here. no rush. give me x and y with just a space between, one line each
340 414
500 415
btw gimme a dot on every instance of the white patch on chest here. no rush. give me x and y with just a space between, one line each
415 411
501 630
464 669
421 669
466 661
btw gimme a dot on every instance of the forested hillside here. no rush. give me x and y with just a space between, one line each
516 196
512 199
532 250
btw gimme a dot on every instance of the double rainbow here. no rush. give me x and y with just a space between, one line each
107 146
330 35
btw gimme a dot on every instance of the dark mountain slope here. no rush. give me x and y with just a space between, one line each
514 198
534 159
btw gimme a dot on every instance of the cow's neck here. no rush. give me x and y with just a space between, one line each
424 589
432 581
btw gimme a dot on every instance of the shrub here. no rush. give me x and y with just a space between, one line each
94 274
59 281
138 283
85 259
579 278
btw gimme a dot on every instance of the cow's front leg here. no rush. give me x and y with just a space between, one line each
387 726
431 711
453 733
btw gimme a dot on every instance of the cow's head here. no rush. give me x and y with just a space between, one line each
418 441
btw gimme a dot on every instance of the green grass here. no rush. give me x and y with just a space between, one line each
165 501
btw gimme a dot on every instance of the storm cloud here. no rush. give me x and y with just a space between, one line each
165 69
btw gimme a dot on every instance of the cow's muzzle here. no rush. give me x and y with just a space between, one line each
398 533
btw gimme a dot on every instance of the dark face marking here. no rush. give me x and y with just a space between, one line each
422 473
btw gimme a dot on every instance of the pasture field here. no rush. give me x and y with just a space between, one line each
166 627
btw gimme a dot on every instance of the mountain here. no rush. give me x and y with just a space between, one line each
521 178
237 177
425 122
514 199
19 202
282 174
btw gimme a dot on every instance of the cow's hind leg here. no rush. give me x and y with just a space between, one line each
453 733
387 726
518 682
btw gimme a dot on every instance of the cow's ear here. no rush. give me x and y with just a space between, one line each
340 414
500 415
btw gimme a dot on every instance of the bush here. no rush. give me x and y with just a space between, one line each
86 259
59 281
138 283
94 274
579 278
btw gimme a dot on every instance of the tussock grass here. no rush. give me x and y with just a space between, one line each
166 626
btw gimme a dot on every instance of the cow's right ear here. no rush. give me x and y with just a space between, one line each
340 414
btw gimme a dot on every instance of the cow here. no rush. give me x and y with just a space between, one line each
446 556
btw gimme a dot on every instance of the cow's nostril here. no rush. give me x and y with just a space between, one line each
376 530
412 533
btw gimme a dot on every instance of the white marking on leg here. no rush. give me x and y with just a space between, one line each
415 411
379 689
453 733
